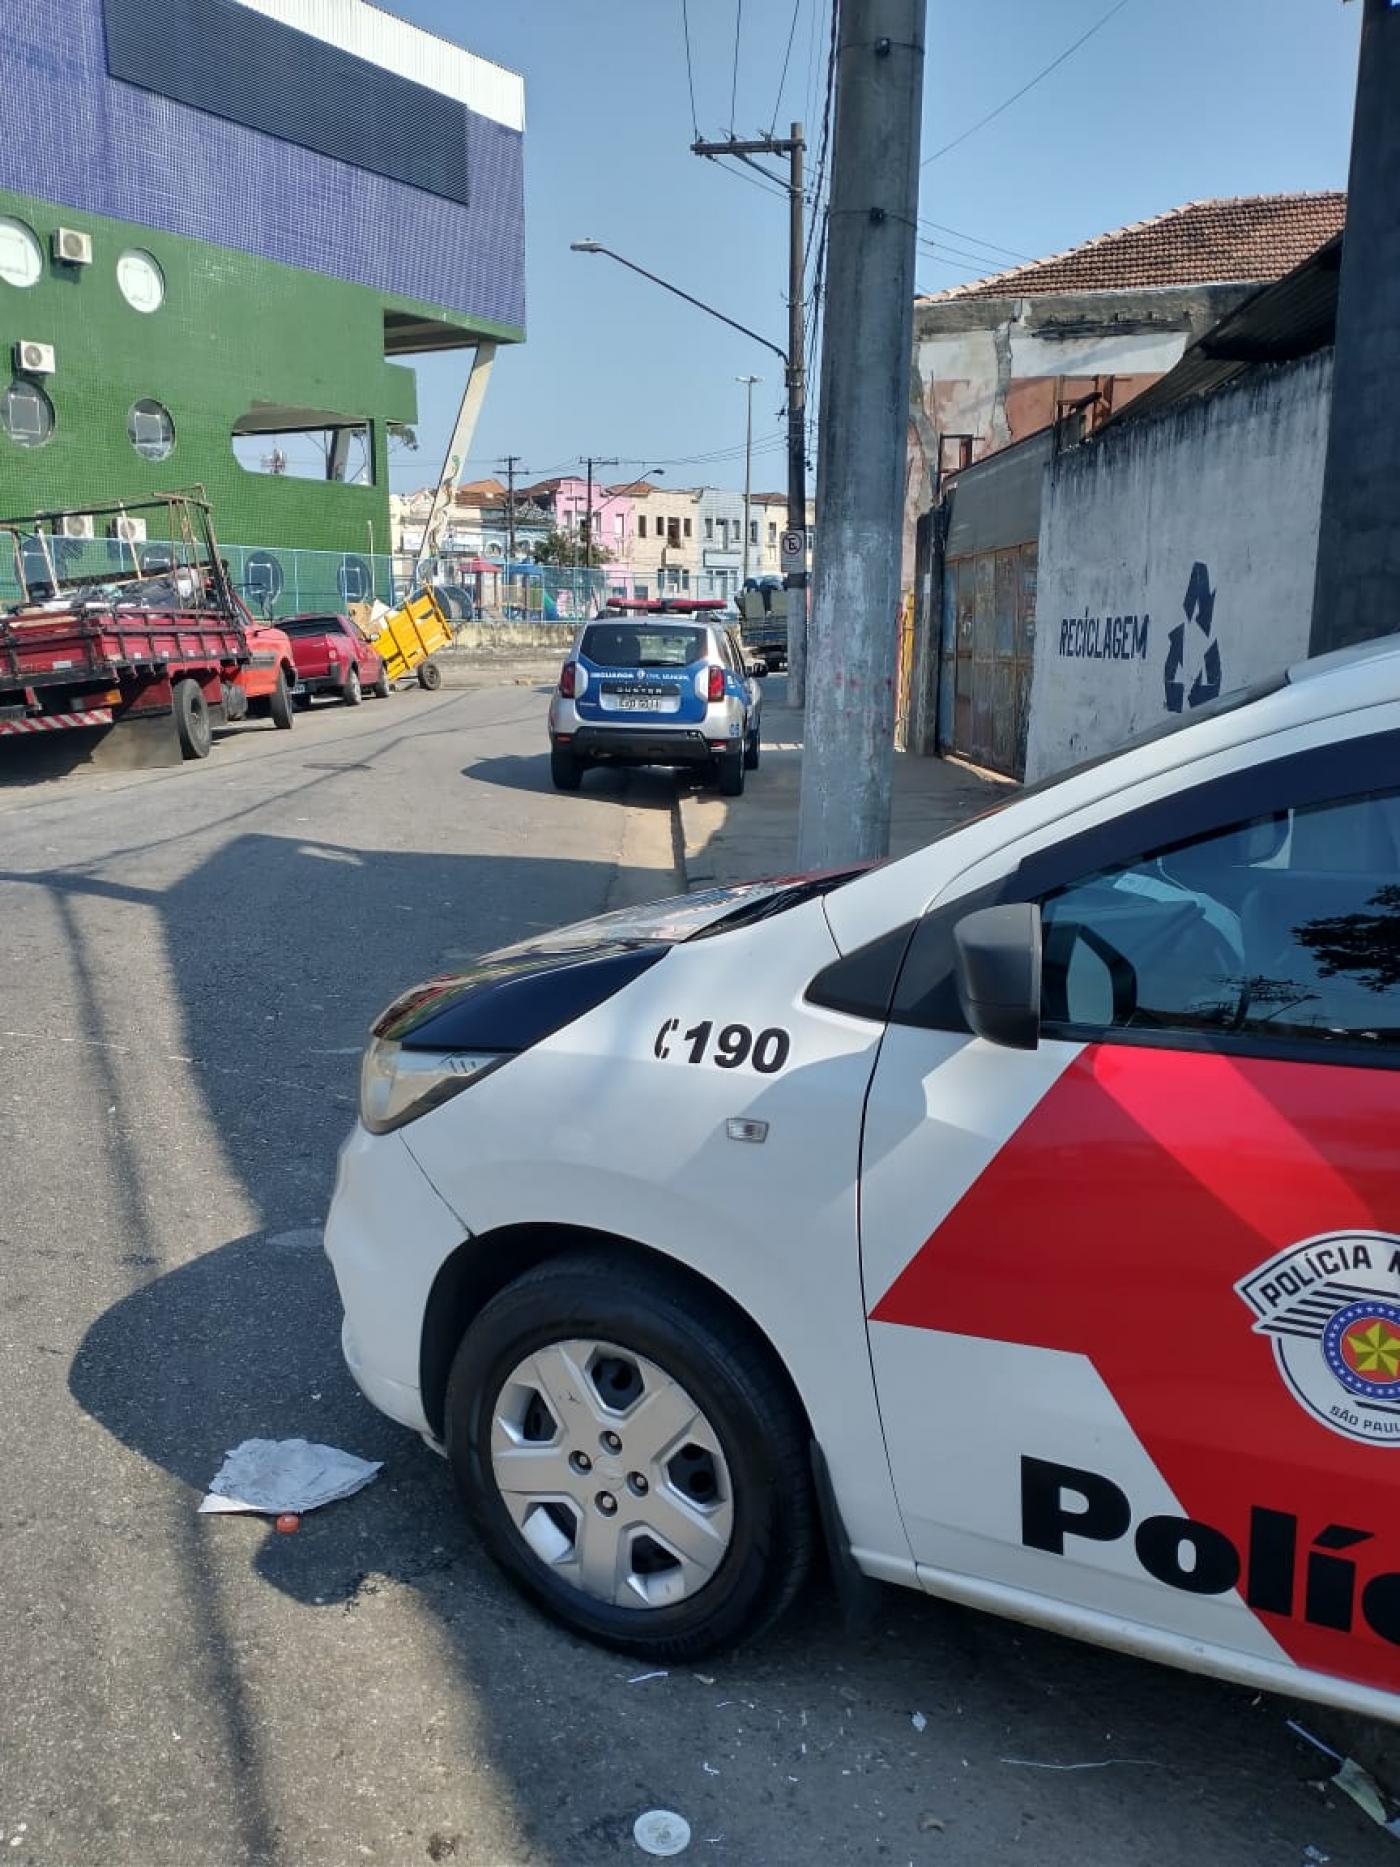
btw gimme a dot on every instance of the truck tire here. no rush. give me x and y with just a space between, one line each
192 721
351 693
430 676
280 709
731 772
381 689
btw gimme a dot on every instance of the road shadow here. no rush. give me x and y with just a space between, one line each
647 788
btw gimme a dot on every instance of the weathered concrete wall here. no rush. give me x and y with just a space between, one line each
514 639
993 368
1176 561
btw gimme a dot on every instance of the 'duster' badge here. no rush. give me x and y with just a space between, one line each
1331 1306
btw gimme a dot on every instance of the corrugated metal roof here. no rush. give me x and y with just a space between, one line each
1291 318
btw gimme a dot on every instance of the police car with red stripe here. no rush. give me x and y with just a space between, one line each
1021 1218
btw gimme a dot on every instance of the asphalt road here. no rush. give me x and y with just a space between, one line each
190 958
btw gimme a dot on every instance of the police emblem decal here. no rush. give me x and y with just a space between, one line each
1331 1308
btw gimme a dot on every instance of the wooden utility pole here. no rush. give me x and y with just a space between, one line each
795 367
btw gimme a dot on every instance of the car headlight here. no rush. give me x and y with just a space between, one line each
398 1085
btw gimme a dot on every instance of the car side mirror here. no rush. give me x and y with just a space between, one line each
998 973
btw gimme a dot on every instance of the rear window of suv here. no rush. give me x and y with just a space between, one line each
312 625
630 645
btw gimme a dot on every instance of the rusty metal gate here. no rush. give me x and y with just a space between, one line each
992 598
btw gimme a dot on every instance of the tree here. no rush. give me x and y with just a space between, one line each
565 547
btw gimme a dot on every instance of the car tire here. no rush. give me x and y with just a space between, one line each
733 1482
381 689
752 750
352 693
192 721
565 771
279 706
430 676
732 766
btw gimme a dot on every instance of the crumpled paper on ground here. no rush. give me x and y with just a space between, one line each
274 1476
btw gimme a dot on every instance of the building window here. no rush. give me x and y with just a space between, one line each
772 537
26 414
150 430
687 528
753 531
641 524
617 525
21 257
709 529
141 281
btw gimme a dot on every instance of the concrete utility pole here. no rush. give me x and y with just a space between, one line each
588 510
849 739
511 461
748 382
795 369
1358 554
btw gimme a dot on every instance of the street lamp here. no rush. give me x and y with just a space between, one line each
594 246
748 382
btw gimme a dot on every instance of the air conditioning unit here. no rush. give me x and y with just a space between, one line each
129 531
33 359
71 247
75 525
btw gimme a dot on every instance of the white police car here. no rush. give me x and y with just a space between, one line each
1022 1219
658 682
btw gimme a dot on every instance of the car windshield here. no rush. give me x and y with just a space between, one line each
637 645
312 625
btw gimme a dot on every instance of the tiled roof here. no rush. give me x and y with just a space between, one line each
480 492
1202 243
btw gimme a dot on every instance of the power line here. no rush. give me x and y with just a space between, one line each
746 175
826 134
734 81
973 240
1030 85
782 81
689 70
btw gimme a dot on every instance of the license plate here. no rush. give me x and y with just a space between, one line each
639 703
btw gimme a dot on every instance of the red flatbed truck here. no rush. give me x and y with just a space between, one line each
148 638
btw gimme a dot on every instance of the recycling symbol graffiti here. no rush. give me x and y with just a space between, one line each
1199 605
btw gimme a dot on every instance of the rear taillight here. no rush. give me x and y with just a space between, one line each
568 679
716 683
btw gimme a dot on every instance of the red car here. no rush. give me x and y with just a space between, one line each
332 657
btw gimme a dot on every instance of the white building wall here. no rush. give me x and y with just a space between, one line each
1129 632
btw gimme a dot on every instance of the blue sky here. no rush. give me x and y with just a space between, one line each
1170 101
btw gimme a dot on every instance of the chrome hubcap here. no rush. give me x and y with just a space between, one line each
612 1474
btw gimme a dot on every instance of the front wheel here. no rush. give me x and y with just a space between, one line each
632 1460
752 750
351 693
279 705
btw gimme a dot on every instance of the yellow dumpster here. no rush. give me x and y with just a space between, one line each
411 633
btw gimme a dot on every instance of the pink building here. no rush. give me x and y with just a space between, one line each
613 518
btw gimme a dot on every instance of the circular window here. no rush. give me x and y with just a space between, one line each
150 430
26 414
141 281
21 257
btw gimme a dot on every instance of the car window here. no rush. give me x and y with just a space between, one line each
633 645
1286 927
